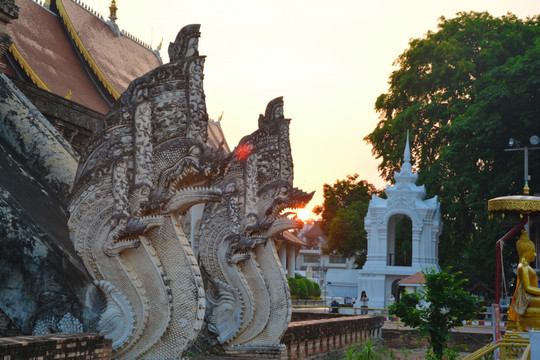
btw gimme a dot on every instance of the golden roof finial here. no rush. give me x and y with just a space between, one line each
160 44
113 8
526 188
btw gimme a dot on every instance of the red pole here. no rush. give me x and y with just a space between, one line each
498 247
498 250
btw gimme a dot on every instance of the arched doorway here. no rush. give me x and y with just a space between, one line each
399 240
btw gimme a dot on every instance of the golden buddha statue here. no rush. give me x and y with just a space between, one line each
525 307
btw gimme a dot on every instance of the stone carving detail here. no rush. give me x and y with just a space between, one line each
45 288
135 179
248 302
145 170
56 313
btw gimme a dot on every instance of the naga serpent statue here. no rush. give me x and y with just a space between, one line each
248 300
147 167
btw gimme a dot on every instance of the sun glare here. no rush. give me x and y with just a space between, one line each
303 214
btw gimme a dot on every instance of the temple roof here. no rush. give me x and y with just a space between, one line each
68 49
216 137
71 51
291 239
314 231
119 58
414 279
43 50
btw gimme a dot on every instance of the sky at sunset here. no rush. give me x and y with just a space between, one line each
328 59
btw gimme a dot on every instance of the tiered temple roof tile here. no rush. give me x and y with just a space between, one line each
66 48
119 58
414 279
43 50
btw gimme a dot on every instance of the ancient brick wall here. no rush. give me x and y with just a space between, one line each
305 316
56 346
7 327
311 337
309 303
411 339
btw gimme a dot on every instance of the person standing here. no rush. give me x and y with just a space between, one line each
364 303
391 300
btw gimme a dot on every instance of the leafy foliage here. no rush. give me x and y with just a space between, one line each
441 305
364 351
303 288
463 91
342 216
316 290
309 286
298 288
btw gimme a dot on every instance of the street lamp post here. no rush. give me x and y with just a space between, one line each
515 146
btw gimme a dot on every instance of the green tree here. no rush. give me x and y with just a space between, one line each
343 211
463 91
441 305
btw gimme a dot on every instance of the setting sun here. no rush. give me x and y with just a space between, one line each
303 214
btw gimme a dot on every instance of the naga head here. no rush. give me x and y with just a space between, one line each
125 232
184 162
261 172
272 169
183 167
153 147
278 197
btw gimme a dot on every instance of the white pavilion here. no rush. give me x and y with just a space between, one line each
405 202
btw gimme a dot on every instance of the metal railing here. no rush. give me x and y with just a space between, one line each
512 346
344 309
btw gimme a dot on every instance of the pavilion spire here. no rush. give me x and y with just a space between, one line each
407 152
406 174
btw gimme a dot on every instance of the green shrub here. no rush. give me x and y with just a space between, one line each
366 351
309 286
302 289
316 290
293 287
